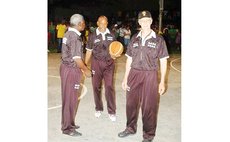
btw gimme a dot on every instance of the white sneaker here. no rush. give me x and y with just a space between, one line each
97 114
112 117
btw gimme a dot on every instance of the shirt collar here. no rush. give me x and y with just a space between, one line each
152 34
98 32
74 30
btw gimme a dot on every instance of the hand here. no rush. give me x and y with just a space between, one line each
124 84
87 73
161 89
114 56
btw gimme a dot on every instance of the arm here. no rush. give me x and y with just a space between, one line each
83 67
88 56
163 69
128 67
89 48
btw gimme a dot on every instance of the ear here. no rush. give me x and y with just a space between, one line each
98 23
79 24
139 22
151 21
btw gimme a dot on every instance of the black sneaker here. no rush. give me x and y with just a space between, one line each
125 133
147 140
73 134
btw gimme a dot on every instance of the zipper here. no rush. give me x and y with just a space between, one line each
141 53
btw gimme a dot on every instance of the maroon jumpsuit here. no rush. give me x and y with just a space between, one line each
142 82
70 78
102 66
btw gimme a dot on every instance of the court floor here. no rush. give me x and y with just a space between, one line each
102 129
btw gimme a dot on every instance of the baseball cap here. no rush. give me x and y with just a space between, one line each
144 14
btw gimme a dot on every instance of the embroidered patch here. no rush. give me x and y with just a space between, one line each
97 40
135 45
109 38
93 72
128 88
64 40
151 44
143 13
77 86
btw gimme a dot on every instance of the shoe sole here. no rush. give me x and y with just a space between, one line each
126 135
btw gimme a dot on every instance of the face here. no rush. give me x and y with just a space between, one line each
102 23
145 23
81 26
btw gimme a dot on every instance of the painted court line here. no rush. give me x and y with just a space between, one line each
171 64
84 91
50 108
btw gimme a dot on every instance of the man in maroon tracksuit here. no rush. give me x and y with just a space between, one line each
102 66
141 78
71 73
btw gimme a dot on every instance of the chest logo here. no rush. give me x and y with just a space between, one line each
64 40
135 45
109 38
97 40
151 44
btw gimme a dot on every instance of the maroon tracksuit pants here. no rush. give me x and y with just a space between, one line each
103 70
70 88
142 92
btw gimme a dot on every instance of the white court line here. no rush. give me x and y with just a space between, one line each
50 108
171 64
84 91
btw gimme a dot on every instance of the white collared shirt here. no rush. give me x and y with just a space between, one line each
152 34
74 30
103 34
64 40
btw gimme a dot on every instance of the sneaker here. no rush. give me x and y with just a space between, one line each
125 133
112 117
147 140
97 114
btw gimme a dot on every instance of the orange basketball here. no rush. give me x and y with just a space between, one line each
116 48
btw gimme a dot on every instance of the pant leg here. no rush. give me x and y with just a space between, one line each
59 44
133 100
109 87
150 103
53 38
70 82
96 83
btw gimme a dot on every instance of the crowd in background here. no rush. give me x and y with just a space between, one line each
123 31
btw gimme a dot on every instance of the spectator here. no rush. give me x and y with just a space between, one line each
52 33
61 29
178 40
127 35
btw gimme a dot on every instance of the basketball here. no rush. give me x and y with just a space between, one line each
116 48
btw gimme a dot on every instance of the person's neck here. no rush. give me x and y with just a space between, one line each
77 28
102 30
145 33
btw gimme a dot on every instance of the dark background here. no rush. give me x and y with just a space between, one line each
115 10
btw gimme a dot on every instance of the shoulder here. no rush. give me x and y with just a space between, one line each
159 37
134 37
111 33
92 34
71 34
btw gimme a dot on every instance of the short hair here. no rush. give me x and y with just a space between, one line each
102 17
76 19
